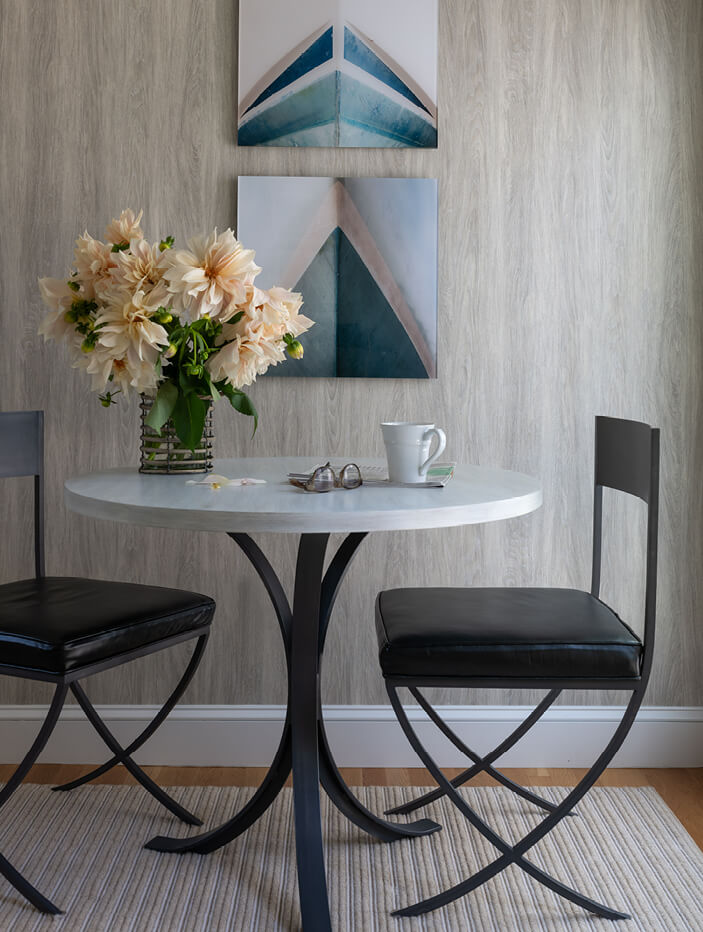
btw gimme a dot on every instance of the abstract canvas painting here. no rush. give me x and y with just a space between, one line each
355 73
363 253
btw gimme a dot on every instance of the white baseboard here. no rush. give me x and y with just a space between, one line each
364 736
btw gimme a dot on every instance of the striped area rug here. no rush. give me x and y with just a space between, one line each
83 850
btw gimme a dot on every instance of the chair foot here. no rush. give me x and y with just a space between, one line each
480 877
23 886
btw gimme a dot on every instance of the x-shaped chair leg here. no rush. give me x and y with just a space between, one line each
514 854
122 756
6 869
144 736
481 764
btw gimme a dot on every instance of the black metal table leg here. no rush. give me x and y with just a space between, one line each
347 803
304 691
279 770
269 789
332 781
303 746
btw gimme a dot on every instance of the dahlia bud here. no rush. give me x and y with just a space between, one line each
295 349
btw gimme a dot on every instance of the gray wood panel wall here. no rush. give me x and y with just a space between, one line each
571 283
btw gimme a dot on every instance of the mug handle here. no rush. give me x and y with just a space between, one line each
441 444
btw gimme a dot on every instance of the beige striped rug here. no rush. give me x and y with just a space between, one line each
83 850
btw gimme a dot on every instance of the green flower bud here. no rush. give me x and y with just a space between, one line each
162 316
105 402
70 316
166 243
74 286
295 349
87 346
170 351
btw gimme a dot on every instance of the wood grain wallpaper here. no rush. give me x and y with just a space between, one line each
570 175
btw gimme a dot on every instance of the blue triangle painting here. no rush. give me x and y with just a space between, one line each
363 254
357 333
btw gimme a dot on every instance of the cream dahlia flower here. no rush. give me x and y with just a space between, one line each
285 305
240 361
255 341
127 331
141 266
211 274
125 228
267 315
126 371
57 295
94 263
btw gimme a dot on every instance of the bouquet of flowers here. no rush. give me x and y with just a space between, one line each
182 327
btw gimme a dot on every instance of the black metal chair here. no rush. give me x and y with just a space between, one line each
60 630
527 638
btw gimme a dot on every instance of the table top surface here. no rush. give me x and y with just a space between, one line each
475 494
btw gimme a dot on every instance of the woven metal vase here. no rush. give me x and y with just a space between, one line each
165 454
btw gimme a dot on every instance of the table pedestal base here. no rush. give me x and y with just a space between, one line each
303 747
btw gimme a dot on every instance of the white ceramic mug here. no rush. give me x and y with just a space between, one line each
408 449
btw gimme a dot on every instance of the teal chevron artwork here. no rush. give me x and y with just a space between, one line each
347 73
363 253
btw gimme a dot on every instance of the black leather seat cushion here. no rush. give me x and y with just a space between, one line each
57 624
507 632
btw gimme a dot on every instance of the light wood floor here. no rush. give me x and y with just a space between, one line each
681 789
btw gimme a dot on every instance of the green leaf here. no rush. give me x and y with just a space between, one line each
187 384
211 386
189 419
162 408
242 403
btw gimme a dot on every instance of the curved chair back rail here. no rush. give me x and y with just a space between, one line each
627 459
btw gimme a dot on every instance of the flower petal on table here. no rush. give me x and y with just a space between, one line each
218 482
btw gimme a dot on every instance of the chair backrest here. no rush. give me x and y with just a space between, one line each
627 459
22 454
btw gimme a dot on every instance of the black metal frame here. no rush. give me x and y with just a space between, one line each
627 459
303 747
22 454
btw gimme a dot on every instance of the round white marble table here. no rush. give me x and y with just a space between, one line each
475 494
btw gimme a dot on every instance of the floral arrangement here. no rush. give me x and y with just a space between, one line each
180 326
